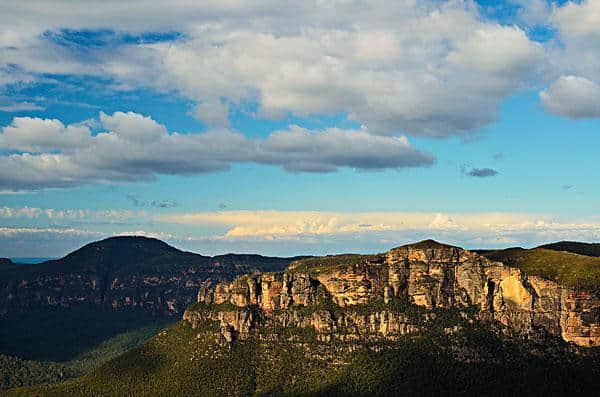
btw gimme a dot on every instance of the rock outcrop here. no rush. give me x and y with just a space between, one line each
354 297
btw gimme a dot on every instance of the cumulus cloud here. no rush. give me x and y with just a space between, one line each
426 68
133 127
533 12
213 113
572 96
579 20
46 153
308 232
574 64
489 228
392 78
299 149
30 134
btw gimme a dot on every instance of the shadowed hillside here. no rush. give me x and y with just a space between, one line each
589 249
420 320
122 272
102 300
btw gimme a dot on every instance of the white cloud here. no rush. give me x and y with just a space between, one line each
213 113
425 68
134 148
302 232
143 233
574 61
19 107
572 96
501 51
533 12
48 233
51 213
271 225
133 127
39 135
6 192
579 20
404 77
299 149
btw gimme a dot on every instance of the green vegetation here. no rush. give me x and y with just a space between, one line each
331 262
565 268
78 339
223 307
428 244
473 359
453 354
16 372
589 249
79 333
67 343
126 258
186 361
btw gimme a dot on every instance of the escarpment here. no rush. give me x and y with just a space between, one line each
400 292
118 273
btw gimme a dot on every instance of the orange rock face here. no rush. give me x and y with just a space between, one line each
434 275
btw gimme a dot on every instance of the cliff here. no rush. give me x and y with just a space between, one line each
120 273
353 297
421 320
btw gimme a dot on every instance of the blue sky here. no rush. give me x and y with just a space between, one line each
308 129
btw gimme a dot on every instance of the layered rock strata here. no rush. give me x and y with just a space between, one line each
427 274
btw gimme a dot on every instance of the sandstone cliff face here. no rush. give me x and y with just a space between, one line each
428 274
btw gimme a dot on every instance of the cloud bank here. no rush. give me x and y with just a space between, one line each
430 68
373 231
292 232
304 224
44 153
425 68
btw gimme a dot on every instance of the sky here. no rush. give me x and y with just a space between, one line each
288 128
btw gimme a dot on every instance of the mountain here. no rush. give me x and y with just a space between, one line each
422 319
122 272
5 262
589 249
70 315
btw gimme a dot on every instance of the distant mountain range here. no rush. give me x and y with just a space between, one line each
148 274
64 317
122 272
589 249
423 319
349 324
30 260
